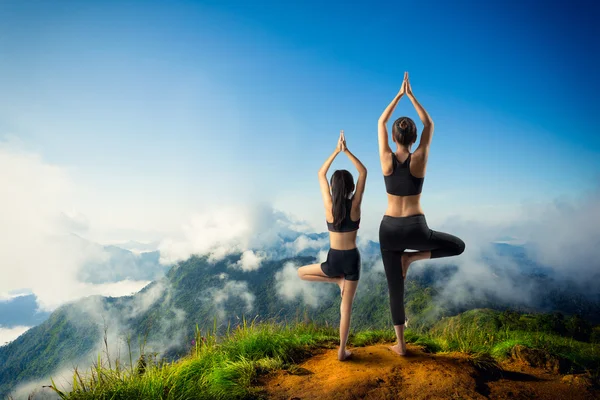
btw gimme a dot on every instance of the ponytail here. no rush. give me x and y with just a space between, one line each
342 185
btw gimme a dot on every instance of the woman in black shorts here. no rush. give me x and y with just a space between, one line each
404 226
342 212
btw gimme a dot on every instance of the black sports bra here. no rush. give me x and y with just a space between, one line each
347 224
401 182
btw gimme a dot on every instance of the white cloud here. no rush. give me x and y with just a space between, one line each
303 243
565 235
232 289
135 247
322 256
39 252
39 390
481 274
217 233
7 335
289 286
227 230
113 289
13 294
250 261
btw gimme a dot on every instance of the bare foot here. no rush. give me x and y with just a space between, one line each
406 261
342 356
399 349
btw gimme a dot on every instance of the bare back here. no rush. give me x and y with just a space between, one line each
344 240
403 206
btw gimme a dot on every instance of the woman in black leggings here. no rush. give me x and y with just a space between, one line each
404 226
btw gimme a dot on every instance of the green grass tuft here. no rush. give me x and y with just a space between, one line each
366 338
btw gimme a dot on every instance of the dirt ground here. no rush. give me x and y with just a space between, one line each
375 372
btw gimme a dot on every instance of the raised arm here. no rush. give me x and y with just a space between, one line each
382 133
427 133
325 190
362 173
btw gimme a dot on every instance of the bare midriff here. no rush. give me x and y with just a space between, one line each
404 206
342 240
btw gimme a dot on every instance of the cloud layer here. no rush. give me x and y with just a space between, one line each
290 286
39 251
561 236
256 230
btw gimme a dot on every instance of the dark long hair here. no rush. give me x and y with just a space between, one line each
404 131
342 184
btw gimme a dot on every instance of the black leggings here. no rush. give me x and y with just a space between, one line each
396 234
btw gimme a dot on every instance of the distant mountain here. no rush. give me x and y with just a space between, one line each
197 291
121 263
510 240
137 247
519 254
117 264
21 310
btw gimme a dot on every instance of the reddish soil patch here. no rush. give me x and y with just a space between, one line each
375 372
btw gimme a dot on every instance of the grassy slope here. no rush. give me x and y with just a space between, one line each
226 366
485 331
45 348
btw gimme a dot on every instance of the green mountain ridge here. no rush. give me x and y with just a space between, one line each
164 314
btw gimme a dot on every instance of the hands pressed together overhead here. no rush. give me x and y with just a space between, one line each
405 88
341 146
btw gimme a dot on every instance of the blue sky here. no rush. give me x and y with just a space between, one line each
159 108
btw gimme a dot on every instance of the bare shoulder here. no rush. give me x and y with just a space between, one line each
420 154
329 216
418 163
355 209
387 163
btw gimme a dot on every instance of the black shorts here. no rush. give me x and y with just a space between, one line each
342 263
